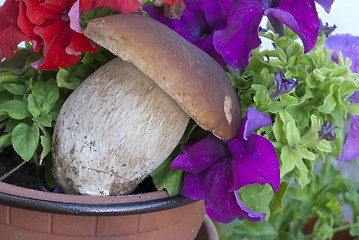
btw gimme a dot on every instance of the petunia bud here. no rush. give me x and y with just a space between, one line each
326 132
284 85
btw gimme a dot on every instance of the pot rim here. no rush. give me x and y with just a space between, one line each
35 200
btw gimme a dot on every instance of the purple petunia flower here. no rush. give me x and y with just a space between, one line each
349 46
284 85
326 131
326 4
350 150
200 19
240 37
228 29
216 169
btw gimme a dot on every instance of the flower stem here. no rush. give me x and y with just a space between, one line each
342 228
2 178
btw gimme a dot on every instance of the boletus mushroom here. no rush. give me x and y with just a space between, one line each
126 118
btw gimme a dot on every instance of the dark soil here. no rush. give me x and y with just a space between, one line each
27 175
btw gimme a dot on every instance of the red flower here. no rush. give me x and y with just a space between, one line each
53 25
168 2
10 34
123 6
172 2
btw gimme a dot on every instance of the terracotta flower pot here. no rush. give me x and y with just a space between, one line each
208 231
342 235
30 214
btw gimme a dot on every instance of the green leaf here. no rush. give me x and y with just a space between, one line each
281 54
25 140
273 107
16 89
304 59
305 153
278 130
44 120
354 109
46 95
257 197
289 160
8 78
46 146
324 146
291 62
193 131
287 100
292 133
261 97
277 203
4 139
33 106
315 79
64 80
15 109
294 49
354 229
170 179
301 173
292 162
300 114
328 104
17 63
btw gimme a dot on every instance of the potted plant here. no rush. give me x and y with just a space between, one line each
294 99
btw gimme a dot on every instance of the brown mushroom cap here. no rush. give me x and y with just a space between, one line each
186 73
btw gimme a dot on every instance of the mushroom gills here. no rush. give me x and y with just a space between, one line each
113 131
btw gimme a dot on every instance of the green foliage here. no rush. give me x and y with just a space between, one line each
323 87
29 103
319 203
30 100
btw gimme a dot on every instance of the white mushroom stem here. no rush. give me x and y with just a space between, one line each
113 131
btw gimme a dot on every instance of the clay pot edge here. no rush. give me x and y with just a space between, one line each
35 200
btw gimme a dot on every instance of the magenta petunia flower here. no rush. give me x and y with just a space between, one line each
240 37
199 21
216 169
228 29
326 4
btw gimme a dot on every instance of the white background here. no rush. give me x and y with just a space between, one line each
344 14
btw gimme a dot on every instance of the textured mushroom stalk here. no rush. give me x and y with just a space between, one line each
125 119
113 131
